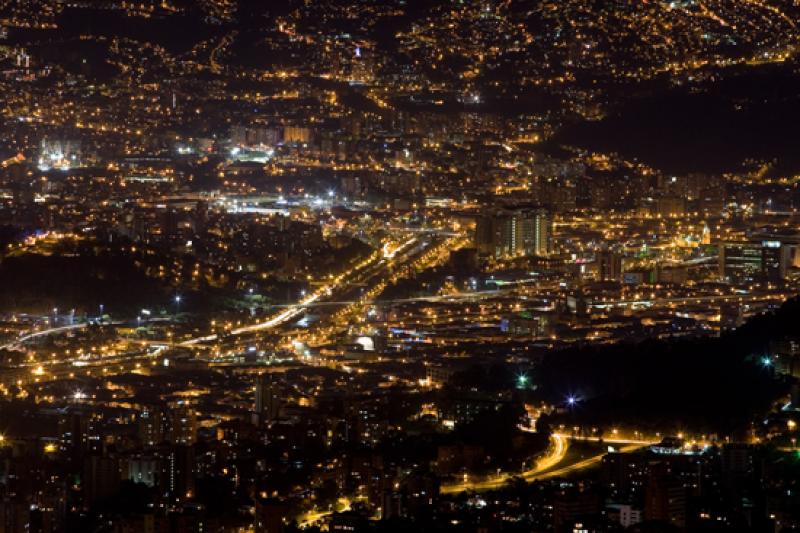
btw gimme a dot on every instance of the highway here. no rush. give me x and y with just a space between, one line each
580 465
68 369
412 259
43 333
376 265
511 289
550 465
324 296
555 454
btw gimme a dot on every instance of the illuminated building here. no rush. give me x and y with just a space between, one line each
142 469
180 472
786 355
671 206
254 136
296 135
59 153
773 261
362 66
665 497
609 265
521 232
152 426
625 515
527 324
183 426
750 261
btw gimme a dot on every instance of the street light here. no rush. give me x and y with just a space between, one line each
571 401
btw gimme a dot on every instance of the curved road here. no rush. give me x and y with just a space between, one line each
30 336
549 466
555 454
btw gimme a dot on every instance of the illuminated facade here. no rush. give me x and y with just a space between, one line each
521 232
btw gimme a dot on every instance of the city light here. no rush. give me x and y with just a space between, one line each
459 265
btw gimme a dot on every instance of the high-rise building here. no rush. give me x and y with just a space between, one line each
514 233
534 232
671 206
73 430
609 265
267 403
739 261
296 135
624 514
665 499
152 426
570 506
254 136
752 261
183 426
101 478
773 261
179 477
169 223
142 469
79 433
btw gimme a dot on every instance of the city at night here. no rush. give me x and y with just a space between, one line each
392 266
